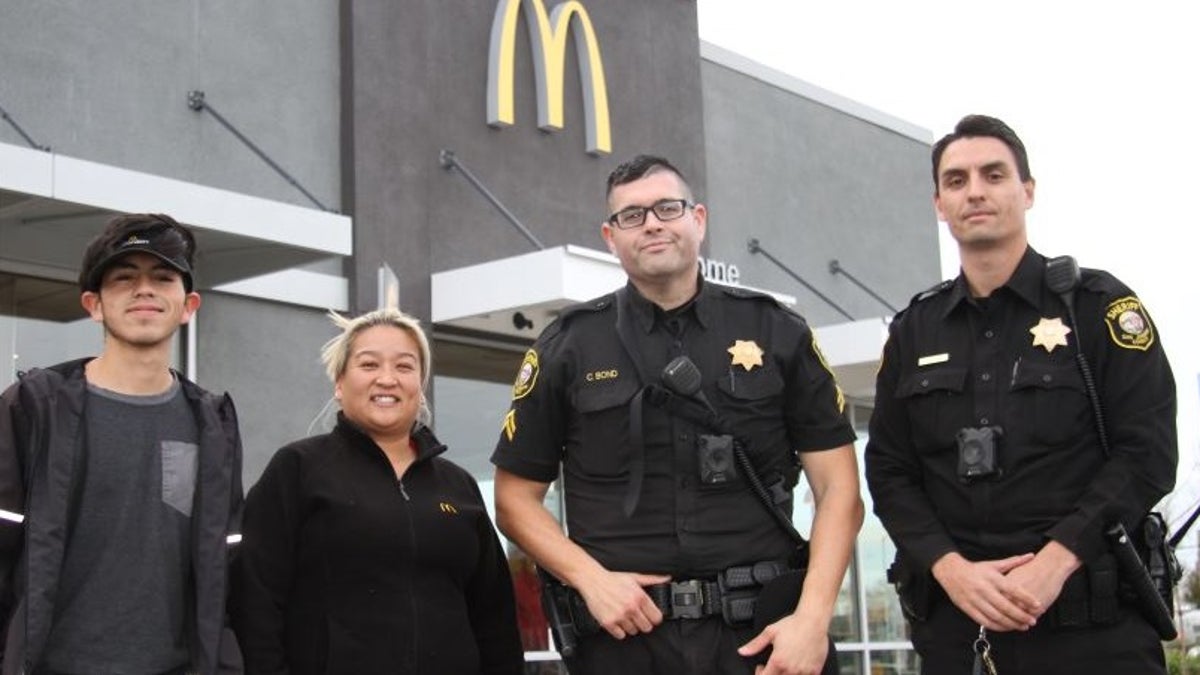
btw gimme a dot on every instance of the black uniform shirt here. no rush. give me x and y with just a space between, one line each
953 361
571 405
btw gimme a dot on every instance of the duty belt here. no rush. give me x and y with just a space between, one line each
690 599
731 595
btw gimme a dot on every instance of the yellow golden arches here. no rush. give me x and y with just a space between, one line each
548 39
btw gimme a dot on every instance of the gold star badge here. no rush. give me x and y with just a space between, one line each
1050 333
746 354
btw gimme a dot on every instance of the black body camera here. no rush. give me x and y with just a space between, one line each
717 463
978 452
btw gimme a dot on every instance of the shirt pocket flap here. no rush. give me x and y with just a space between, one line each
951 380
596 396
1047 376
755 384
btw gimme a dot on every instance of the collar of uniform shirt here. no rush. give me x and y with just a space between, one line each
645 311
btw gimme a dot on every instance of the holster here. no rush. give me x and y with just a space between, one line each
569 622
1136 577
1089 596
914 588
1154 548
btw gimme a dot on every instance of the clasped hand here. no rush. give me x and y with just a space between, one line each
1007 594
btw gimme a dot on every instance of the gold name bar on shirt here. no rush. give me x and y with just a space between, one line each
933 358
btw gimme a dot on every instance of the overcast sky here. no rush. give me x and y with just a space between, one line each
1103 94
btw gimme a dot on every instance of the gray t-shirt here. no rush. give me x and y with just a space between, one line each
125 592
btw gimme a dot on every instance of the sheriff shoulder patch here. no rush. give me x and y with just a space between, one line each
1128 324
526 376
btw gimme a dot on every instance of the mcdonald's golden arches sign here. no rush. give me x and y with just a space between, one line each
548 33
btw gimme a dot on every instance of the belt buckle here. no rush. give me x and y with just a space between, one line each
687 599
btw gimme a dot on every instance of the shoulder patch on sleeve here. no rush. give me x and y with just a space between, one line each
1128 324
526 375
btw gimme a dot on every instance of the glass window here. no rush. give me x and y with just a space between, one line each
885 622
845 625
850 663
873 555
41 324
467 417
895 662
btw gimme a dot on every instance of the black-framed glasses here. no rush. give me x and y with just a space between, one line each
635 216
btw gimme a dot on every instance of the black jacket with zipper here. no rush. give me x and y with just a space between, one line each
347 570
42 440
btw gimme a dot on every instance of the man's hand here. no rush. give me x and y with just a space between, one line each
615 599
618 603
798 648
1044 576
983 592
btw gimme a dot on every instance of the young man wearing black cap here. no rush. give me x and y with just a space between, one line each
120 482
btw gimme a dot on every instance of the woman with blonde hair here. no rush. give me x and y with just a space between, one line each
364 551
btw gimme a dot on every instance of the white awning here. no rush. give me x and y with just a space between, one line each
486 297
52 205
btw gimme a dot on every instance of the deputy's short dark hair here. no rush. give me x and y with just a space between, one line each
975 126
639 167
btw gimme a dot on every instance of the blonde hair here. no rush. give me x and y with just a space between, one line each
336 352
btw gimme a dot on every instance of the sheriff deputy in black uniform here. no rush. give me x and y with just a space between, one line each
984 459
647 509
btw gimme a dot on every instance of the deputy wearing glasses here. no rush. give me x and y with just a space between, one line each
661 522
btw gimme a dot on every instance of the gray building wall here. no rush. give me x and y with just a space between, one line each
267 356
814 184
357 99
419 73
107 81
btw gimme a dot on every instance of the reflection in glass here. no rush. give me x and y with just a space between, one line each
844 626
885 622
468 416
895 662
41 324
850 663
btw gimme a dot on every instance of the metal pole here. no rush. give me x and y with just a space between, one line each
195 100
13 123
754 247
836 268
450 161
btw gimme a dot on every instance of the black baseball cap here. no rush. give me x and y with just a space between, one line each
154 233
